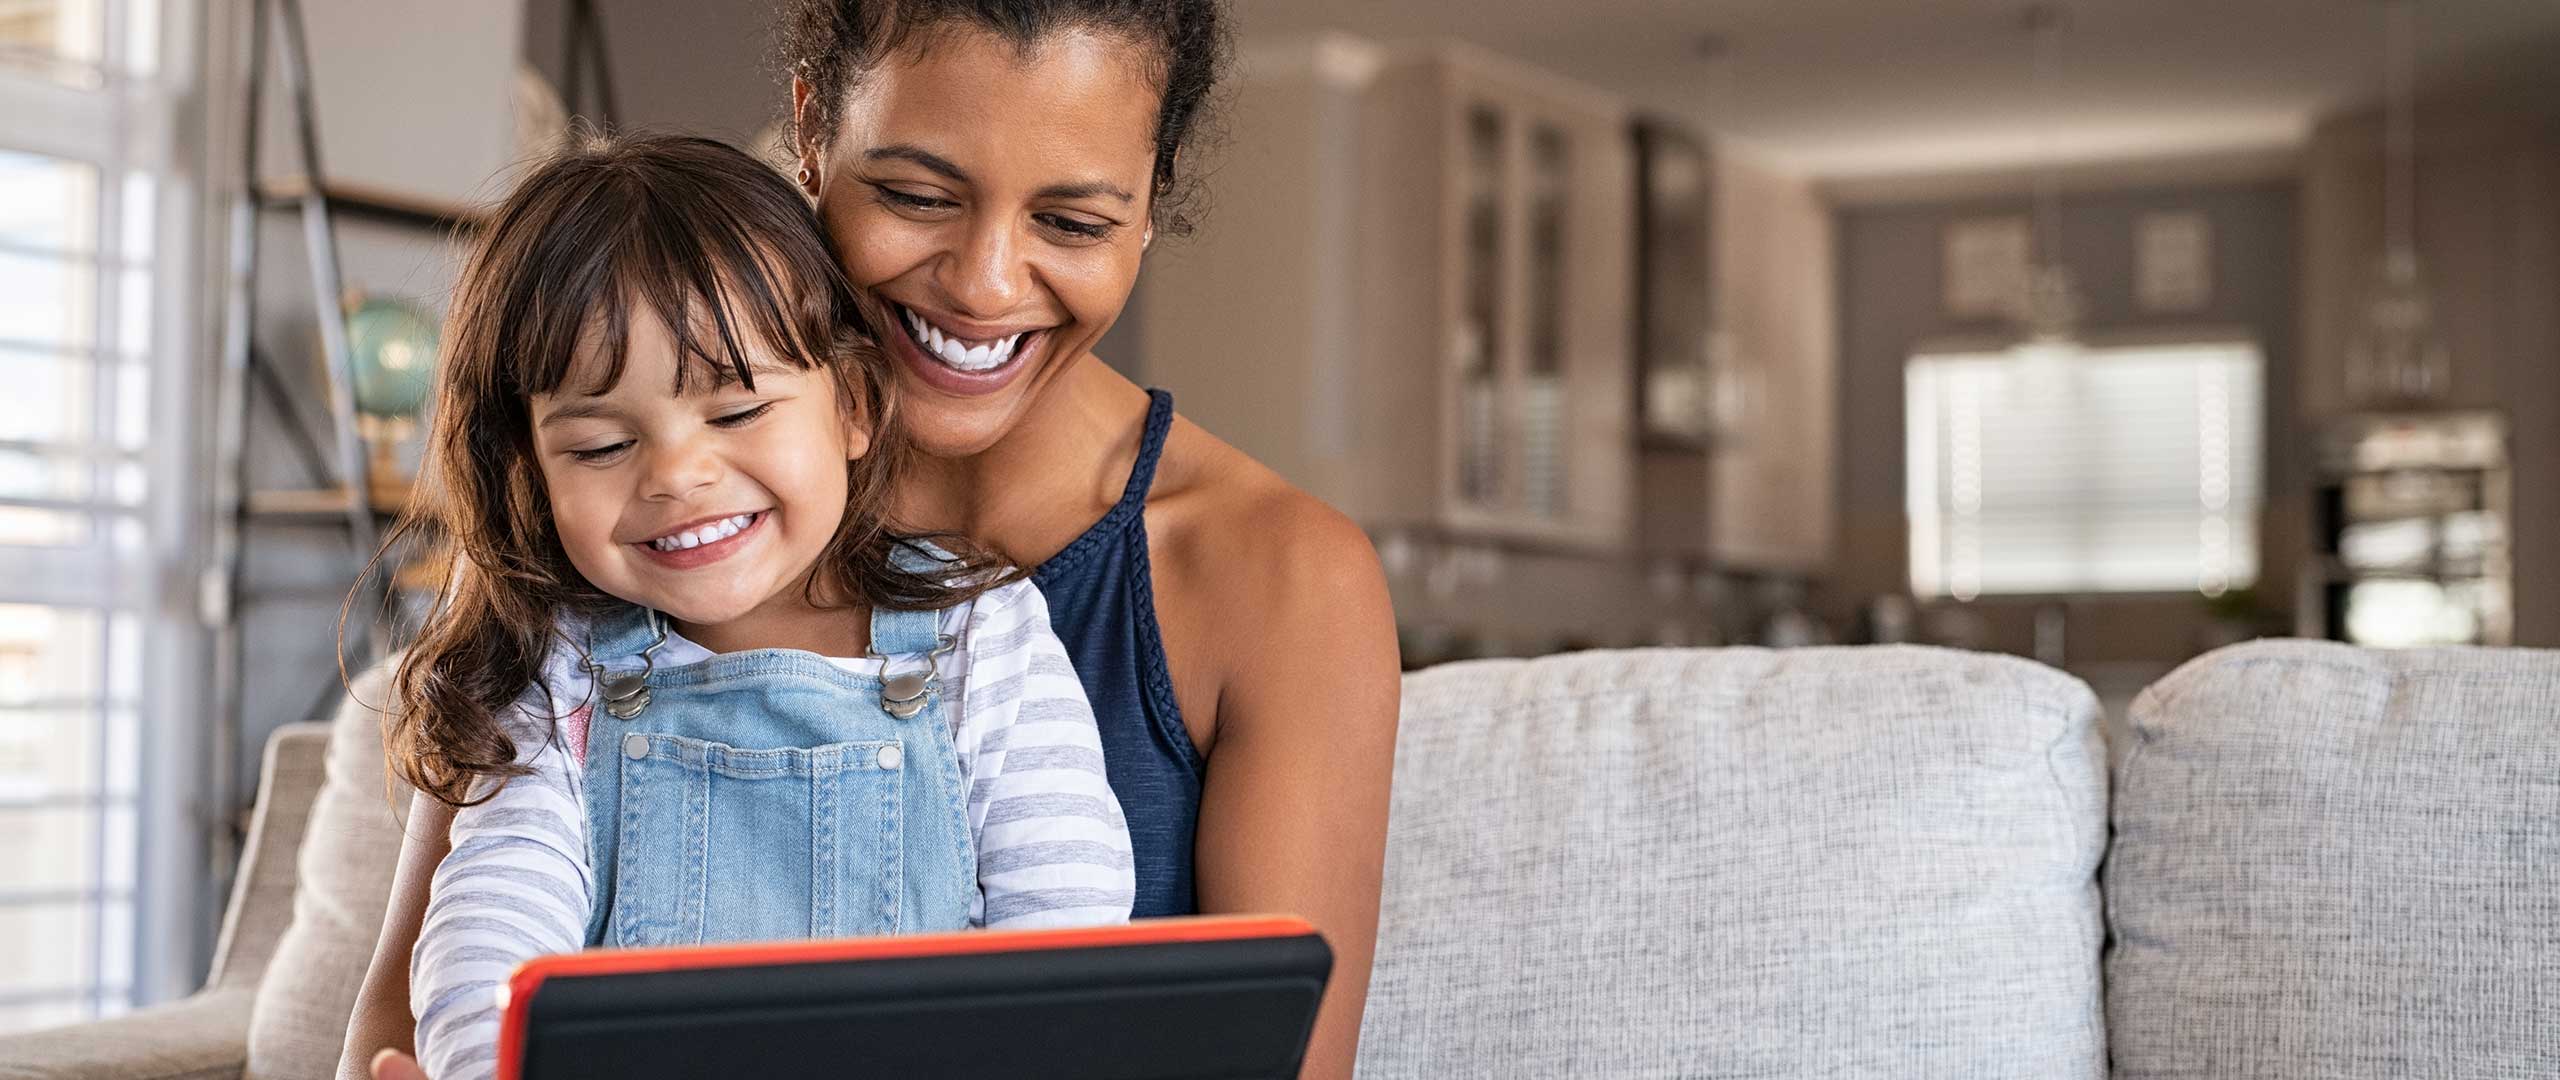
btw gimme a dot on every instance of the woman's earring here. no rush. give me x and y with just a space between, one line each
808 180
1147 240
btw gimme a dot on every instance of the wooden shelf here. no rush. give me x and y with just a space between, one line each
324 504
379 204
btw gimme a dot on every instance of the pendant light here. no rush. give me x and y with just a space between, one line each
2397 358
2049 312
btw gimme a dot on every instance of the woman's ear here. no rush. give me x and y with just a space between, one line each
803 146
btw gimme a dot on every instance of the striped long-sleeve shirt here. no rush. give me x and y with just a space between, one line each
1053 849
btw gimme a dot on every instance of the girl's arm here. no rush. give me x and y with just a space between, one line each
515 886
1053 849
381 1019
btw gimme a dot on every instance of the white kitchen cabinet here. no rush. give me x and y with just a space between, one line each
1412 292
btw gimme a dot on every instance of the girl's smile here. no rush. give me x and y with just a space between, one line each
704 541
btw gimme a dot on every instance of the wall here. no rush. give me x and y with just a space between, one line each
1890 269
678 65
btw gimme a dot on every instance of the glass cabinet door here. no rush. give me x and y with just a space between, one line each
1545 436
1480 339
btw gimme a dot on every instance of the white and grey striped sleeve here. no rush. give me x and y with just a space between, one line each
515 886
1053 849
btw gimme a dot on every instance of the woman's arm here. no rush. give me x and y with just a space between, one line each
1293 816
381 1019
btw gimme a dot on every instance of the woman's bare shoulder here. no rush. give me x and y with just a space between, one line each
1216 508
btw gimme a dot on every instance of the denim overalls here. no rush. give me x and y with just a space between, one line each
770 794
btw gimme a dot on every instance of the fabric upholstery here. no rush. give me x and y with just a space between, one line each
198 1038
2339 863
1826 862
350 848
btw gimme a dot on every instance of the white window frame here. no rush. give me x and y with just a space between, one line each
120 123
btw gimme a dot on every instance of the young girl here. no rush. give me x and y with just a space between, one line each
684 684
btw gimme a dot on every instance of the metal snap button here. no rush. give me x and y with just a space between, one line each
635 746
891 757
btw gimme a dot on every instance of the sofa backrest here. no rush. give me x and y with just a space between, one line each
343 880
1872 862
2339 862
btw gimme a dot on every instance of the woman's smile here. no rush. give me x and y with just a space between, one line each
959 358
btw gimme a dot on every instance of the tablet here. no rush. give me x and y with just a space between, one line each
1221 996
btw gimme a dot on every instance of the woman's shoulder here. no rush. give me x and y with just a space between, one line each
1217 509
1261 589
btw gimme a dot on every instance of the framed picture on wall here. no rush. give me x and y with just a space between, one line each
2173 261
1986 266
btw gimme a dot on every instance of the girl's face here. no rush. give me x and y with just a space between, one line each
998 202
707 506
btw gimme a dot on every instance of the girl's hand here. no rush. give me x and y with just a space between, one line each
394 1065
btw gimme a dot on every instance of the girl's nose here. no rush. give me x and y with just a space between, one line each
676 471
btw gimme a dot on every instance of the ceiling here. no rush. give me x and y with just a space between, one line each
1863 89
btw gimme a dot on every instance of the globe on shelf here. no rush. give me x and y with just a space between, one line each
391 344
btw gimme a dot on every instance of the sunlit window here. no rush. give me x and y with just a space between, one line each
2093 470
94 231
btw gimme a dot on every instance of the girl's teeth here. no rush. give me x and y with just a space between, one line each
709 534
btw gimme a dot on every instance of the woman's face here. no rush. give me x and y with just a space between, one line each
998 201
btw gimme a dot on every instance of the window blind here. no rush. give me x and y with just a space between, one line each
2132 469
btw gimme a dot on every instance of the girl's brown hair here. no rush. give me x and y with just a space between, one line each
728 255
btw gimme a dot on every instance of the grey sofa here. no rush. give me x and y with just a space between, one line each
2312 861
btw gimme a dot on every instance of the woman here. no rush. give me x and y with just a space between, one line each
995 170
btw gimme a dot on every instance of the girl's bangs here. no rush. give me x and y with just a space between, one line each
725 276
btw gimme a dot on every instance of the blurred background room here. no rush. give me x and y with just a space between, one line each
2103 333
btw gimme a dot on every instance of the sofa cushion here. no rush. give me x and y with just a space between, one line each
351 845
2334 862
1873 862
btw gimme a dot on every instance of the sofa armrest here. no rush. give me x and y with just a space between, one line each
205 1037
262 894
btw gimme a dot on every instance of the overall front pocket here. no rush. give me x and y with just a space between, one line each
723 844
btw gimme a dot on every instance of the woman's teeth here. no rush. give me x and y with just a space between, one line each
950 350
709 534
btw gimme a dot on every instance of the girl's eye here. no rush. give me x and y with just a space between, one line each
1077 227
601 453
742 418
908 200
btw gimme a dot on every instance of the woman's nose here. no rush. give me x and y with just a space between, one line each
987 278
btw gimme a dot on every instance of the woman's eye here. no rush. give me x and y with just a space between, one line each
743 417
1077 227
908 200
595 455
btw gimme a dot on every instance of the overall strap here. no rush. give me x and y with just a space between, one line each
621 634
909 633
904 633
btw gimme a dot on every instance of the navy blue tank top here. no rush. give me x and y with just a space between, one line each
1102 601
